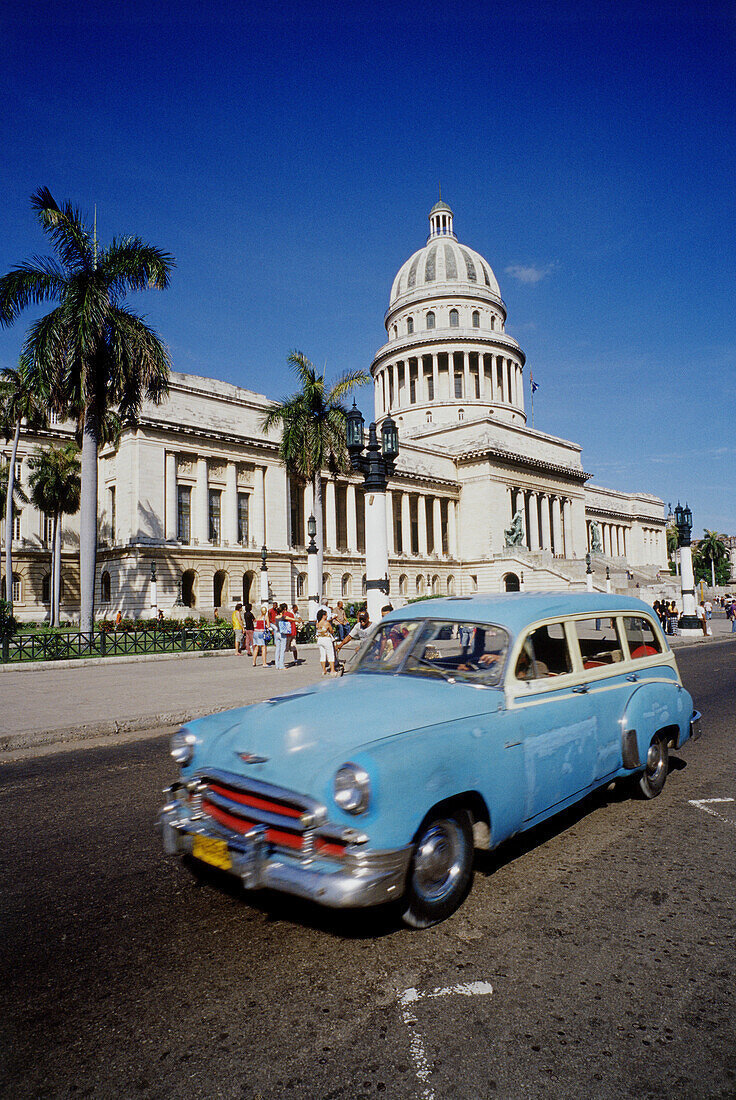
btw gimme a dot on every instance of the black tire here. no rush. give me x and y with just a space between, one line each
441 870
654 776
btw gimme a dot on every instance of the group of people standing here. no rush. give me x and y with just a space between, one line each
253 633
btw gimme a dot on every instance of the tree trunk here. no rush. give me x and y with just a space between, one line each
56 573
9 521
88 521
318 537
712 573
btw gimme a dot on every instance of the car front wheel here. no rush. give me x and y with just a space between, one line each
441 869
652 779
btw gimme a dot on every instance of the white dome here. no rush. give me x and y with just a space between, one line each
444 263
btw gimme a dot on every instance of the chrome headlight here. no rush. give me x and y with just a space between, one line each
352 789
182 746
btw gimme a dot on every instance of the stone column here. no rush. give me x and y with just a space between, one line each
171 499
390 523
519 507
505 395
376 553
546 527
437 526
494 380
557 526
230 505
436 377
422 524
202 504
258 519
466 376
405 524
395 371
452 528
533 521
351 521
308 507
567 527
330 514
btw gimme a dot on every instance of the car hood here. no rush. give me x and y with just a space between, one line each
299 734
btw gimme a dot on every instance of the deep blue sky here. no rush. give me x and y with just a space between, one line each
288 153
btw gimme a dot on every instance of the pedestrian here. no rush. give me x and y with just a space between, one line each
385 609
700 612
249 623
238 627
298 625
731 614
118 619
340 621
291 639
672 618
325 642
272 616
261 636
282 627
708 609
359 632
160 615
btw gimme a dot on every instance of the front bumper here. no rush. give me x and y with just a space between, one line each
695 730
358 878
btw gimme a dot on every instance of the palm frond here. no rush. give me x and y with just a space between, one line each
131 264
347 382
64 225
39 280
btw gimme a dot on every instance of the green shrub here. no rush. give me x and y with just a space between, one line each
8 622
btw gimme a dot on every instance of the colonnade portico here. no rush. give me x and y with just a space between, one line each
614 538
223 502
473 375
546 520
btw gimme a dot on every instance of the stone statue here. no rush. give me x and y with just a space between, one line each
596 546
515 533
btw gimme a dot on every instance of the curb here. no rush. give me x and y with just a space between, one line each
124 659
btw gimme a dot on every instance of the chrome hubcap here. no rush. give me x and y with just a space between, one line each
655 759
438 860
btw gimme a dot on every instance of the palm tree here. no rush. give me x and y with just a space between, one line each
712 548
55 490
19 401
312 423
91 353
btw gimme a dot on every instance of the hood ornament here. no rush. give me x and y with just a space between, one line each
251 758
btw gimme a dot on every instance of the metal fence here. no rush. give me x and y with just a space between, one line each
45 646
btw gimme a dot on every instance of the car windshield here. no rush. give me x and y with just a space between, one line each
472 652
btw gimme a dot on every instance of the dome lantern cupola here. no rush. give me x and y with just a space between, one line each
440 221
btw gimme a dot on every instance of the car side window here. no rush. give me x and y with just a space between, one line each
643 642
599 641
545 653
467 651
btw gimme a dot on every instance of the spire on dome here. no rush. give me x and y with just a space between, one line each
440 220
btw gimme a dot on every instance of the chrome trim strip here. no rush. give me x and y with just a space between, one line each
254 813
256 787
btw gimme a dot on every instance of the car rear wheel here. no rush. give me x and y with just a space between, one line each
441 869
652 779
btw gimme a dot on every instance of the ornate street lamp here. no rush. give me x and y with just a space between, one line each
312 569
264 575
588 573
608 579
376 463
154 587
689 625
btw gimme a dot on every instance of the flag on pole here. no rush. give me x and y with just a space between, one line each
535 385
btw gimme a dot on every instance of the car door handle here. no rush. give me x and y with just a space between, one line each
580 689
633 678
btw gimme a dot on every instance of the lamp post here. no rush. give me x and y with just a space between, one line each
312 570
154 589
608 579
689 625
264 575
376 463
588 573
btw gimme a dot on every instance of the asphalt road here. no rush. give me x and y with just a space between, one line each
593 958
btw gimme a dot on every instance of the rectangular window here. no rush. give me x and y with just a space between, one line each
184 513
215 498
296 502
458 385
414 517
113 516
16 588
243 519
18 471
413 391
430 387
48 529
599 642
360 518
643 642
16 525
545 653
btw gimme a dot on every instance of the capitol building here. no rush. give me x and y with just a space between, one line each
479 500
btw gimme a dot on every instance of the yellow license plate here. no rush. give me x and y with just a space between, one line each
211 850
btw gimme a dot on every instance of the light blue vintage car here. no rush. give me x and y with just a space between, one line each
462 723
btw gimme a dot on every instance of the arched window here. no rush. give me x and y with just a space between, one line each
346 586
420 585
104 587
435 585
511 583
410 325
461 414
301 585
454 318
403 585
189 588
493 322
46 588
429 418
326 585
476 319
219 588
450 585
430 320
248 589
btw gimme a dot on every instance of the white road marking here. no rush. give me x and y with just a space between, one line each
706 804
416 1043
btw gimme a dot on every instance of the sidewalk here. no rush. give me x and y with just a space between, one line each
720 626
52 705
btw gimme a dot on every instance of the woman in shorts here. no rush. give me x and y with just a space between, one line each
325 642
261 635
